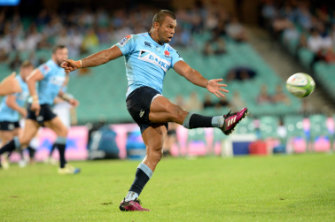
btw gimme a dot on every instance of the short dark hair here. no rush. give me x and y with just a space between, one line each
160 16
54 49
26 64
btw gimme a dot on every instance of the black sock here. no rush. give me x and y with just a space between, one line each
31 151
9 147
61 149
140 180
195 121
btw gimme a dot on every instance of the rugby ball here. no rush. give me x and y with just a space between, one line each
300 85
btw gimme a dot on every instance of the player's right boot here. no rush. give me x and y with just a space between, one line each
68 169
132 205
5 163
232 119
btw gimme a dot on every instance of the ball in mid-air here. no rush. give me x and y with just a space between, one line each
300 85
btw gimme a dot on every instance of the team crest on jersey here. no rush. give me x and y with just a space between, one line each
46 68
152 58
166 53
125 40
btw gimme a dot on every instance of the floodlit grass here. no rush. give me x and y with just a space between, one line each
276 188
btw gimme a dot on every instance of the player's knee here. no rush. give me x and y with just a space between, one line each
154 153
177 113
63 132
24 141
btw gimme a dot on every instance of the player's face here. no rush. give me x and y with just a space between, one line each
167 29
25 72
60 55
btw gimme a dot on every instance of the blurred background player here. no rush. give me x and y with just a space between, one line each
50 78
11 108
148 58
65 112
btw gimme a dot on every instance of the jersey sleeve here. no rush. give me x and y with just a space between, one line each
175 57
44 69
126 45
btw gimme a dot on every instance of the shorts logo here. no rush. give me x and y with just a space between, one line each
39 118
125 40
142 113
11 126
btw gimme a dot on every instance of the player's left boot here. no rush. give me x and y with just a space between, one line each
232 119
68 169
132 205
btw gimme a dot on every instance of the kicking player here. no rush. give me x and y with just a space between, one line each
50 77
11 106
148 57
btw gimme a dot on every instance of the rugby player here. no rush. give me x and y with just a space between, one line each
11 107
50 77
148 57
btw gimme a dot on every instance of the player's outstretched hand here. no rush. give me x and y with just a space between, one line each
70 65
74 102
214 86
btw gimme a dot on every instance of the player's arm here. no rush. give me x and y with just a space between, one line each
11 103
96 59
34 77
214 86
68 98
9 85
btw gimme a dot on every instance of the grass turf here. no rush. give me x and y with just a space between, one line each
276 188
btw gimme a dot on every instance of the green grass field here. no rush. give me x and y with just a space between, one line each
277 188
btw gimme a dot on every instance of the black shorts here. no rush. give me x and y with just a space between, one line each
138 105
9 126
171 132
45 114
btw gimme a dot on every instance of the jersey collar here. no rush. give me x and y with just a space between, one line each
156 43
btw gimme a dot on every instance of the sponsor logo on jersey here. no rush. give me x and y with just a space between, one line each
151 57
125 40
57 80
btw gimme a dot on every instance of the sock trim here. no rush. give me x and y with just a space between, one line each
217 121
145 169
60 140
131 196
186 122
17 142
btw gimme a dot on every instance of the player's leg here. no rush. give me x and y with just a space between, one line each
162 110
153 138
29 131
61 131
5 136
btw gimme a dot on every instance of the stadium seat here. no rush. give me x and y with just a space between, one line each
196 142
319 132
268 126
